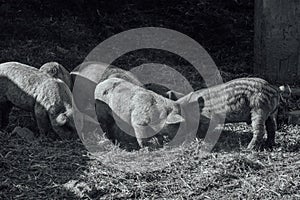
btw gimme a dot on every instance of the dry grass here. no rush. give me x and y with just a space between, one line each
56 169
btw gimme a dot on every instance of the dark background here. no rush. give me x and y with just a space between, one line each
37 31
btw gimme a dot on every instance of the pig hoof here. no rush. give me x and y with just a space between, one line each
255 146
270 144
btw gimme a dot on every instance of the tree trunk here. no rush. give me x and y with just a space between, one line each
276 41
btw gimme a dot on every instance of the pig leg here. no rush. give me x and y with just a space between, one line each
42 120
5 109
143 134
65 132
105 119
271 127
111 129
203 127
258 119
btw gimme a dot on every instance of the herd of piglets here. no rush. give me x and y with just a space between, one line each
130 113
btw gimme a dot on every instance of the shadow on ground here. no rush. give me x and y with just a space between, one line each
39 169
232 141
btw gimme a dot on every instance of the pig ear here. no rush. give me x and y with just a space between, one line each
285 90
174 95
61 119
185 99
171 95
174 119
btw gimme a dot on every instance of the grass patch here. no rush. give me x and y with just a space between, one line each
52 169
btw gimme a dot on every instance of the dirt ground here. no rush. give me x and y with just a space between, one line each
35 32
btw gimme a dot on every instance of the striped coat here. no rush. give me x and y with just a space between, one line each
251 100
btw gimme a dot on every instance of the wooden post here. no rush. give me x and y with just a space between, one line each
277 40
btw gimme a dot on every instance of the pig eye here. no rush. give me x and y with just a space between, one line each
105 92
